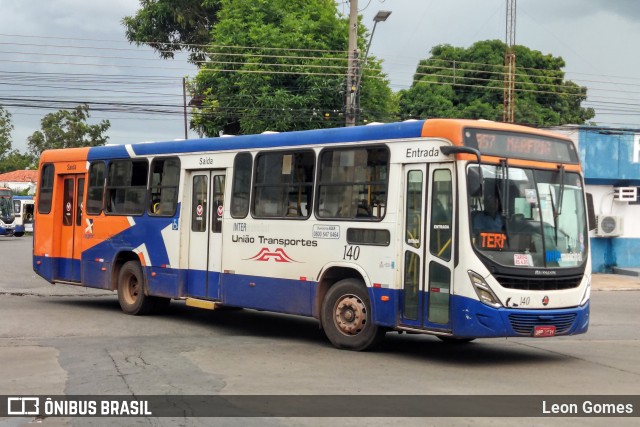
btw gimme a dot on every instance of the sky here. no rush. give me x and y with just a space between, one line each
60 53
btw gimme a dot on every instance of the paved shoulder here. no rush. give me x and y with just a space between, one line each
614 282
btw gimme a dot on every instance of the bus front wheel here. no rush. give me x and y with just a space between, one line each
347 318
131 290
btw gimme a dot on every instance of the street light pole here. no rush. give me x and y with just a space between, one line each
350 92
381 16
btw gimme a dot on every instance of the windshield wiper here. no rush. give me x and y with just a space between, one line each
503 193
560 190
557 208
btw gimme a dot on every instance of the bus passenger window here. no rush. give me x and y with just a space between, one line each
241 185
163 191
127 187
97 173
283 184
353 183
46 189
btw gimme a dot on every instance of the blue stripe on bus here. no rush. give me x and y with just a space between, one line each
266 293
44 267
411 129
51 268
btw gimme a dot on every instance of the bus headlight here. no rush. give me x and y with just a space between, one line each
587 293
485 294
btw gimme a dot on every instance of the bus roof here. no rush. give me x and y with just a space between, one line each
450 129
409 129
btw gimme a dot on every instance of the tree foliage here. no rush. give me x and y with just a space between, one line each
468 83
280 65
6 127
169 26
15 160
10 160
66 129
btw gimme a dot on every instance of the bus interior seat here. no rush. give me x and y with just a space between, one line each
363 210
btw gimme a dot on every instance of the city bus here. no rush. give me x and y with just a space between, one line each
461 229
7 217
23 207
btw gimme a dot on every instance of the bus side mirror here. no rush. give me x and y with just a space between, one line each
450 149
591 213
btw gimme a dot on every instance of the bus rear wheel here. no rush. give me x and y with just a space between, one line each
131 290
347 318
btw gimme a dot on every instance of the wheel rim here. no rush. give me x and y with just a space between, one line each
131 289
350 315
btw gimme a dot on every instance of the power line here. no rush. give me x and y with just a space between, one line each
99 84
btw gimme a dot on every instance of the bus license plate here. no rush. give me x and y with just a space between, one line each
544 331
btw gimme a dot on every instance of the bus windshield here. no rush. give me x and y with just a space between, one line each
527 217
6 207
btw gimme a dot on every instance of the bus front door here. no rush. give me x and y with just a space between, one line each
205 234
427 246
71 229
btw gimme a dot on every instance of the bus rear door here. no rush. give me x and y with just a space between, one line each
427 246
71 230
205 233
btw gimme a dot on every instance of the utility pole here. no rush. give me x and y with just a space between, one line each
508 109
184 106
352 66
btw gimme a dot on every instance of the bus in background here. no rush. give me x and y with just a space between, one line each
461 229
23 207
7 217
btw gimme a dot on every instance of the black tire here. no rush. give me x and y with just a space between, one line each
131 290
346 317
454 340
18 234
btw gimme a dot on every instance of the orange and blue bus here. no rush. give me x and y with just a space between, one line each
460 229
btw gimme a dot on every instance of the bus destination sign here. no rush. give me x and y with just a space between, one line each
518 145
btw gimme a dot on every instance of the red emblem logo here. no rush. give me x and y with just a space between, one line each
279 255
545 300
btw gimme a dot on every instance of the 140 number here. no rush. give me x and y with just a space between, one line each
351 253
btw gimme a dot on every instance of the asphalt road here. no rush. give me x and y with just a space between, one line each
57 340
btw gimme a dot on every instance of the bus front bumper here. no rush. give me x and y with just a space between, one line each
7 229
471 318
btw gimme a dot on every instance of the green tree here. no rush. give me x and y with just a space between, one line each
280 65
170 26
6 127
468 83
15 160
66 129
